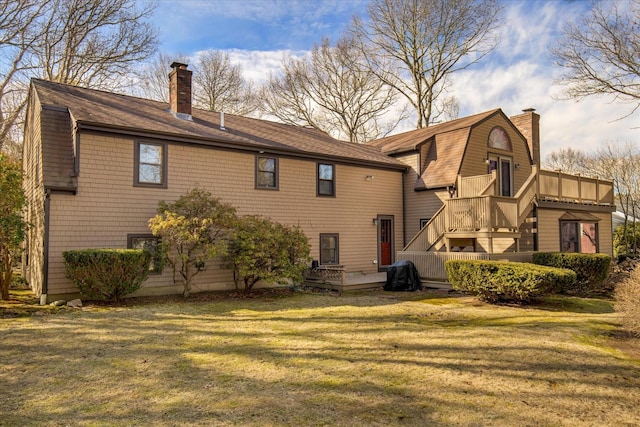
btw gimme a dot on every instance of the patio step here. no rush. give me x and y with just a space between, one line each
432 284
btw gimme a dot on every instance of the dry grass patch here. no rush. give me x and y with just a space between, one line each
371 358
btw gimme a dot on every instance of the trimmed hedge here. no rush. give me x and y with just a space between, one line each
107 274
591 269
501 281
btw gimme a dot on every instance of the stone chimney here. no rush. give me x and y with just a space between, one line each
528 123
180 91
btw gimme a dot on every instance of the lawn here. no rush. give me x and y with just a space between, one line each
317 359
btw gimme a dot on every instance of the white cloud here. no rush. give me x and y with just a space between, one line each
258 64
518 74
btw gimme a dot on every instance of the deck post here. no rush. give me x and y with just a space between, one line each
579 188
559 185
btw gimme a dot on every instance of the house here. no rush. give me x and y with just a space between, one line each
619 217
97 163
474 190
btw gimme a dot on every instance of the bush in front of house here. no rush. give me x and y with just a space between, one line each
627 302
107 274
264 250
500 281
591 269
194 230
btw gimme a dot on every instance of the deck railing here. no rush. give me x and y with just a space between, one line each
332 273
430 265
526 195
480 185
483 211
562 187
430 234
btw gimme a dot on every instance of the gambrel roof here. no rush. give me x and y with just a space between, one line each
441 148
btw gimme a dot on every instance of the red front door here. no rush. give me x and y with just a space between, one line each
385 239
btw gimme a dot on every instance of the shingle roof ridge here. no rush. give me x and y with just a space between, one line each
104 91
201 110
411 139
122 111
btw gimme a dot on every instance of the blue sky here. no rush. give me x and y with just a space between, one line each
518 74
260 25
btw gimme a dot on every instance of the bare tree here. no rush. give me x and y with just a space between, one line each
153 76
83 42
17 35
421 43
332 90
620 164
220 86
601 53
568 161
94 42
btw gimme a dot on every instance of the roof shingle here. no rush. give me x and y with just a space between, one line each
442 148
125 113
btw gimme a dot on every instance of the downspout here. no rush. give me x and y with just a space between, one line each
45 265
404 211
537 233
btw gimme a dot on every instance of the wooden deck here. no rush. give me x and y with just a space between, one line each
477 212
348 282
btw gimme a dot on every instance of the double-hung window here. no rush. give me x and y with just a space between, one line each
326 179
150 164
267 172
329 253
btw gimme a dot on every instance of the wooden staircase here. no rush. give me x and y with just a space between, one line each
478 216
477 213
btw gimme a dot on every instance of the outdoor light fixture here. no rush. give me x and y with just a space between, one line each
375 221
370 177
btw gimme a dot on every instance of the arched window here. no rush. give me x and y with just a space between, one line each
499 138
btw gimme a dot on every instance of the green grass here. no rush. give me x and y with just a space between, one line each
361 359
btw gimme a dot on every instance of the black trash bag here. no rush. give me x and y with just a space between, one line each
402 276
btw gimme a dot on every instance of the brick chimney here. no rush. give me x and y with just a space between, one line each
180 91
528 123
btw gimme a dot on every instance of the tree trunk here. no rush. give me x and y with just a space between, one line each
5 276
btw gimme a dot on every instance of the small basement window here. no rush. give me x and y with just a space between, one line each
150 243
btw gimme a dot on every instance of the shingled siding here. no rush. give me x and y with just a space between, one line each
418 204
549 230
33 257
107 206
477 150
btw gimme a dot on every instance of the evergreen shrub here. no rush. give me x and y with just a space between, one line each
107 274
500 281
591 269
